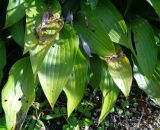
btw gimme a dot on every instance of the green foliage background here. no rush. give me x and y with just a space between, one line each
105 44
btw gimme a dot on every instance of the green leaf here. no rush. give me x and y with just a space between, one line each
85 122
130 45
77 127
145 45
2 58
15 11
93 4
156 5
109 91
95 79
121 72
94 34
39 125
75 86
151 86
17 32
58 64
2 123
34 17
112 21
37 55
18 93
52 116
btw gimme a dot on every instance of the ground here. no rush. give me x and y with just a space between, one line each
137 112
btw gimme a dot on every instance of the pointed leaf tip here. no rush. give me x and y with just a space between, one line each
76 84
18 93
121 72
58 64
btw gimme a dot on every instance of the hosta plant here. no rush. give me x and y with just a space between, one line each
68 45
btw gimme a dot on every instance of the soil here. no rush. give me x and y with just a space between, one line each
138 112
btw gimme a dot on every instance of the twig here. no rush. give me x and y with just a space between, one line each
138 124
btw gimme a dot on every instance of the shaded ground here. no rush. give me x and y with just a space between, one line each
136 113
